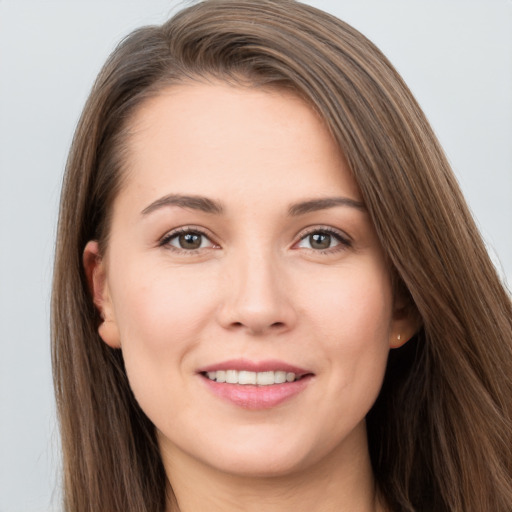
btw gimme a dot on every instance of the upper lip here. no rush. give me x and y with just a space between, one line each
271 365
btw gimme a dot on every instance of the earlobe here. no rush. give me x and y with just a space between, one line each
398 340
406 323
95 271
109 333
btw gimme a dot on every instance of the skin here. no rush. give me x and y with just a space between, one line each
259 287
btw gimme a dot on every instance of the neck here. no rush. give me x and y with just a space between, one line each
341 482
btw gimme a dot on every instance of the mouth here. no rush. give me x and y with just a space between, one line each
255 385
245 377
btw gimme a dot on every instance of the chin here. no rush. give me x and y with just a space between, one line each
250 452
264 465
266 454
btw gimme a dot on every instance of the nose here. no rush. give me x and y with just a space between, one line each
256 297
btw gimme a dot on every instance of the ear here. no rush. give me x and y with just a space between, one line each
406 322
96 273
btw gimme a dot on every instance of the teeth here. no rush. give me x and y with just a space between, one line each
265 378
244 377
231 376
280 377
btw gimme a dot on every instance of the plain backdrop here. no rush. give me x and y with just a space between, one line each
456 55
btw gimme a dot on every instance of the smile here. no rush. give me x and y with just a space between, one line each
244 377
255 385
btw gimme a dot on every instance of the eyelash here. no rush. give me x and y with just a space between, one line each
344 241
189 230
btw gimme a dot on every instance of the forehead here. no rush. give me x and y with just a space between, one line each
221 140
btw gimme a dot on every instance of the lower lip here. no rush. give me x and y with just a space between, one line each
257 397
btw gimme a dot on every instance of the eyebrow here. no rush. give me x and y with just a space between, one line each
324 203
207 205
200 203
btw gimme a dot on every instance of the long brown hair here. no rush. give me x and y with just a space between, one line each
440 433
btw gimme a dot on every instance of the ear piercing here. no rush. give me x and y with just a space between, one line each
399 337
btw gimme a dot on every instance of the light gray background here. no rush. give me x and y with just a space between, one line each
456 55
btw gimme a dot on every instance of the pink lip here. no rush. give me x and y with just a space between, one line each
256 397
271 365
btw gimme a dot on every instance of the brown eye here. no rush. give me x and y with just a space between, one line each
323 240
320 240
188 240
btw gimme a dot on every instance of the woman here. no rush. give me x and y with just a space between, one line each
269 291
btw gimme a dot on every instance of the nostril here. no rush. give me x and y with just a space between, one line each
258 329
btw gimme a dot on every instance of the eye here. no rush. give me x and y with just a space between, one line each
187 240
323 240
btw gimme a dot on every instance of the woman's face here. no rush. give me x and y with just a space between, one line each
240 251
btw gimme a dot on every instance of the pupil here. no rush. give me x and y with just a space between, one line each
320 241
190 241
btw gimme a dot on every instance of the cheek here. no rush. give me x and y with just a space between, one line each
352 306
160 314
351 321
162 305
